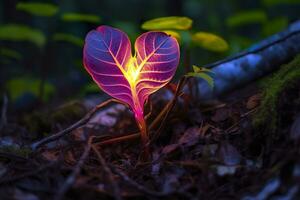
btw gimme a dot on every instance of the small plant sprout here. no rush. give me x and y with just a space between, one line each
131 79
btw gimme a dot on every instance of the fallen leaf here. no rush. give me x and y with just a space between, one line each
295 129
169 149
228 154
220 115
253 101
190 137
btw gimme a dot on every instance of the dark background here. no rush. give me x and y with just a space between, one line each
58 64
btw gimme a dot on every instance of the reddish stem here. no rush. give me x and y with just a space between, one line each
145 137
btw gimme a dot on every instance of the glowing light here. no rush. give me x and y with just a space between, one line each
132 72
131 79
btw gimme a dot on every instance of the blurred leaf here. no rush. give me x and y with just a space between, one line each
201 69
38 9
90 88
279 2
247 17
20 86
80 17
179 23
210 41
15 32
175 34
65 37
10 53
275 25
202 72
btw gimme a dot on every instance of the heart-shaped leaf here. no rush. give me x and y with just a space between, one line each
130 79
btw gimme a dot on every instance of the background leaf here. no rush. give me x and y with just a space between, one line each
179 23
203 73
15 32
210 41
38 9
80 17
20 86
275 25
279 2
175 34
65 37
10 53
247 17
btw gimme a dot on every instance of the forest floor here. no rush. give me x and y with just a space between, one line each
202 152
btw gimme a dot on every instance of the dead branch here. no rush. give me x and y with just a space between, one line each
3 120
108 173
72 177
74 126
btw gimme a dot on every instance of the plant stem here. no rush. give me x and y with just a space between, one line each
145 137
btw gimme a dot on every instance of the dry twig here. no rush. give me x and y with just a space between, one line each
72 177
76 125
114 185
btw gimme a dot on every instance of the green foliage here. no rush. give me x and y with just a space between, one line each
90 88
19 86
65 37
275 25
38 9
80 17
203 73
279 2
286 77
15 150
210 41
42 121
71 111
162 23
17 32
10 53
247 17
174 34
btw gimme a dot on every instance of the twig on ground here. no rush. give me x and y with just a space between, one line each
228 130
108 173
169 107
136 185
74 126
27 174
160 119
72 177
162 116
3 120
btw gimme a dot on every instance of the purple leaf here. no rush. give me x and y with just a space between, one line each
107 57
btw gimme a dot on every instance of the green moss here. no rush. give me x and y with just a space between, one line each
272 87
23 152
68 112
41 122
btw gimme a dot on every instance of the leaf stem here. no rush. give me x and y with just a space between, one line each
144 137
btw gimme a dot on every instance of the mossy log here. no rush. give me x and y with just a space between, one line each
257 61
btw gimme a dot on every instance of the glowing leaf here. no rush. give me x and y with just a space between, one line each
39 9
107 57
210 41
80 17
179 23
15 32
